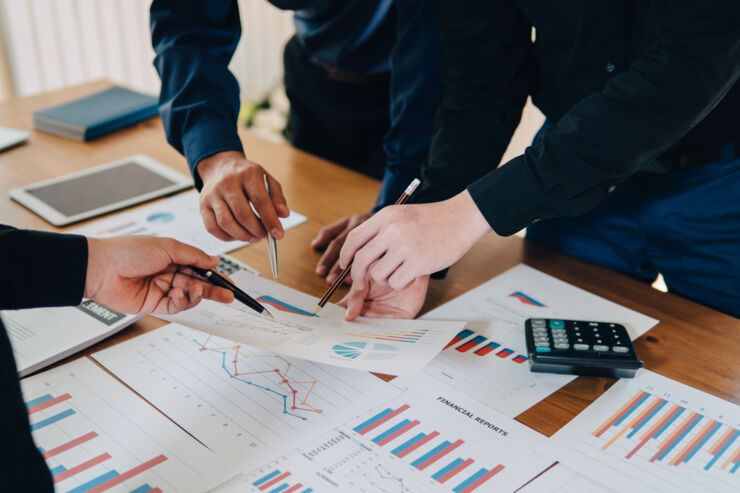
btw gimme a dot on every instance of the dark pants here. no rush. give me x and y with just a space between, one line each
684 225
343 122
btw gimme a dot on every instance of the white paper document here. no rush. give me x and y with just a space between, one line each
652 433
563 479
96 435
429 440
43 336
245 404
390 346
488 360
176 217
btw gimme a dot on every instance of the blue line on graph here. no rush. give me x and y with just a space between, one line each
261 387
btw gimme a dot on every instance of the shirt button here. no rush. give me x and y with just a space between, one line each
609 67
612 188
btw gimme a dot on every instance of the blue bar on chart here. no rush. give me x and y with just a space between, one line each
391 431
144 488
418 463
449 467
39 400
53 419
95 482
267 477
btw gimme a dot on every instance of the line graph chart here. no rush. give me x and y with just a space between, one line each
238 400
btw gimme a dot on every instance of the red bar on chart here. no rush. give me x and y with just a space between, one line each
82 467
452 472
397 433
654 429
70 444
49 403
274 480
371 426
463 348
505 353
487 348
693 443
417 444
734 459
293 488
434 458
479 482
719 444
128 474
673 438
463 334
520 358
621 412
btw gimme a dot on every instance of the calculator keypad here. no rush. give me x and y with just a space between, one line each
563 335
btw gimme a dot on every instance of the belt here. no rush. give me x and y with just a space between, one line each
348 77
699 158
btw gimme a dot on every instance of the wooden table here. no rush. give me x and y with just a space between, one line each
693 344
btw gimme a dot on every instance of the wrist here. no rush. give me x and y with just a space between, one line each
207 166
474 224
93 276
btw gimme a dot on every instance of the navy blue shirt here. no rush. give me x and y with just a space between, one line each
199 102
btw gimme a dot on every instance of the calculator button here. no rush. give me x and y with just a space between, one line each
559 339
542 344
538 332
558 331
562 345
620 349
542 349
538 322
557 324
600 347
581 347
593 324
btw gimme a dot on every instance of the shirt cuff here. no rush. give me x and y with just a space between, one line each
206 140
508 208
46 269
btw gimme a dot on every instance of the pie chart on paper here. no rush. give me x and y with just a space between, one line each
366 350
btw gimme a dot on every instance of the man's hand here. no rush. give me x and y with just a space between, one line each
330 239
381 301
230 183
144 274
401 243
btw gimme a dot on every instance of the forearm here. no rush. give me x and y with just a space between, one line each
41 269
199 100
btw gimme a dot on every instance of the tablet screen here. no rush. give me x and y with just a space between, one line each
105 187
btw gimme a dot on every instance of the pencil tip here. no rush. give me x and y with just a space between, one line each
267 312
317 309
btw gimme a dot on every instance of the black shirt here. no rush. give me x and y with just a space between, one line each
626 81
36 269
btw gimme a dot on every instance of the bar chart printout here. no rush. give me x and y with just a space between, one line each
97 436
426 440
658 433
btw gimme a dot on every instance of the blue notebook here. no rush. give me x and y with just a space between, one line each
92 116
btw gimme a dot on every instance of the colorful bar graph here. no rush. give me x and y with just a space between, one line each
51 420
623 412
274 481
471 344
640 417
505 353
47 403
70 444
68 473
477 479
395 432
93 483
435 454
410 336
379 419
722 446
463 334
452 469
657 428
675 438
734 459
487 348
120 478
268 477
413 444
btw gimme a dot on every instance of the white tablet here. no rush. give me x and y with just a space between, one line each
101 189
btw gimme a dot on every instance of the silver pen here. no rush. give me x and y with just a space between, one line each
271 243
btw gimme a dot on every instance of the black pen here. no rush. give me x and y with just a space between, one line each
217 279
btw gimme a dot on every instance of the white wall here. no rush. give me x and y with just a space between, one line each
50 44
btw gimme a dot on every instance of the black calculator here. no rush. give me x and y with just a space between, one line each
579 347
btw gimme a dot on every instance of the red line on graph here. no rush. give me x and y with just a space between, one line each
439 455
452 472
82 467
128 474
70 444
382 420
398 433
274 480
293 488
483 479
418 444
49 403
